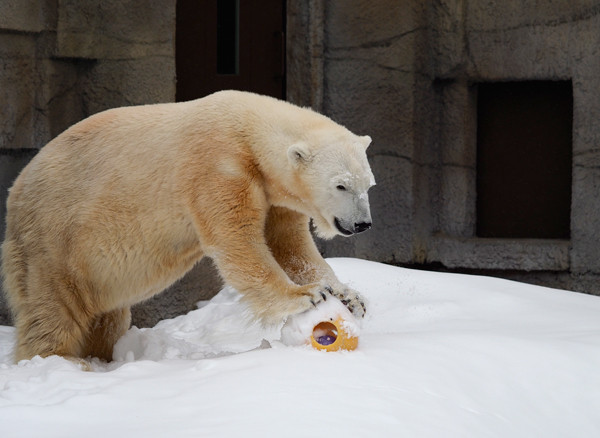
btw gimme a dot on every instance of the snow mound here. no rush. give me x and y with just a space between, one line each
221 326
439 355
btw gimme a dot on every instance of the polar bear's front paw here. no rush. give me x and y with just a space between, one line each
352 300
320 294
312 295
295 300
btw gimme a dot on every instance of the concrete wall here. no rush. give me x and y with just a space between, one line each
400 71
63 60
518 41
553 40
404 73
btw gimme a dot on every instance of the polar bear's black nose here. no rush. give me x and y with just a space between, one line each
361 226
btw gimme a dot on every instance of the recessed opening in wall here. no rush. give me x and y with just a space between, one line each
524 159
228 37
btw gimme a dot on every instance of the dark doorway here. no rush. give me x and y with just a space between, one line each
524 159
230 44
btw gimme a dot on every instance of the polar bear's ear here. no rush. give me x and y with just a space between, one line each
365 140
298 154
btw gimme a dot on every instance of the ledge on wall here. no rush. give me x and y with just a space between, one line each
503 254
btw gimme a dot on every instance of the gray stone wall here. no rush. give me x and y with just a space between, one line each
517 40
402 72
373 83
63 60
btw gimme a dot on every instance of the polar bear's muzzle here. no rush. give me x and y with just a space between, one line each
355 228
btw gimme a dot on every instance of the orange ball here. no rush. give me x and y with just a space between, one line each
331 336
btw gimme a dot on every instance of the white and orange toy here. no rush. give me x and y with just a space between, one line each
329 327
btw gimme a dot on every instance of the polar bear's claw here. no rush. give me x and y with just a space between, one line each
353 301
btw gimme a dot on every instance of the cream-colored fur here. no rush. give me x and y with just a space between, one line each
124 203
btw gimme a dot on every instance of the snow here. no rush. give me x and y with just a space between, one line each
440 355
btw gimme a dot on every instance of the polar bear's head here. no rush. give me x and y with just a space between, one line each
338 177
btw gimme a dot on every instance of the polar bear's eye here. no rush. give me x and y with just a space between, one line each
341 187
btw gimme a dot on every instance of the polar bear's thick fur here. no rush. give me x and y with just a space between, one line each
124 203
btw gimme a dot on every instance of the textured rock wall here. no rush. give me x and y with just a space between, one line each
403 72
373 84
516 40
63 60
406 73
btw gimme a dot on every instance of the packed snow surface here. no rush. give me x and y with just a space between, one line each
440 355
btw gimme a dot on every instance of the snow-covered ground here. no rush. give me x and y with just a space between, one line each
440 355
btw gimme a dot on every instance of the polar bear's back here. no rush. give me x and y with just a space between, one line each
111 154
100 198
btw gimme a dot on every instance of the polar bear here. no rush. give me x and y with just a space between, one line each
125 202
